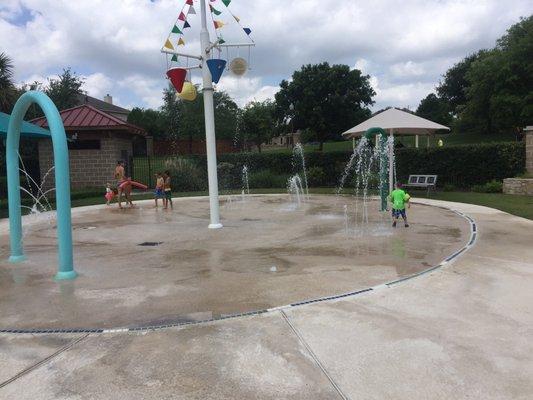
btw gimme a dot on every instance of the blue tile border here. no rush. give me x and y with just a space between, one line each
474 233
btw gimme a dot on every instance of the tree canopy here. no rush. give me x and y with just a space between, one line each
325 99
258 122
435 109
8 91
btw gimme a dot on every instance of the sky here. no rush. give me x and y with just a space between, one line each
404 46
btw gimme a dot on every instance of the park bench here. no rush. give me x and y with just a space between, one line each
422 181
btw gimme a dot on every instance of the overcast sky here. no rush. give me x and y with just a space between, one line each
405 46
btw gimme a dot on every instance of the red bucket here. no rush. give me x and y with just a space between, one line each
177 77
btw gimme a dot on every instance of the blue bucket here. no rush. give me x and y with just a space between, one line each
216 67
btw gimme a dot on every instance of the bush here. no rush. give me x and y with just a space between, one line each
316 177
489 187
267 179
186 175
449 187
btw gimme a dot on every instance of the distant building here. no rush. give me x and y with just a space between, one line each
99 136
286 140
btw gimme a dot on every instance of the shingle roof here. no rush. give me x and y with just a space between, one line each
101 105
86 117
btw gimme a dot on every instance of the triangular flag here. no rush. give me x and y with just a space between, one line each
226 2
218 24
174 58
221 41
181 42
214 10
182 17
237 18
168 45
189 2
176 30
191 10
187 25
247 31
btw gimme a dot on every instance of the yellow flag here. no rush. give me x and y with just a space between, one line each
181 42
218 24
168 45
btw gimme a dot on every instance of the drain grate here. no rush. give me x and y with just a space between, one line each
150 244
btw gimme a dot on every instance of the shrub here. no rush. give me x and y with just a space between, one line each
316 176
268 179
449 187
186 175
489 187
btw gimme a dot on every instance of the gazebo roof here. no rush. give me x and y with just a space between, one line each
86 117
27 130
402 123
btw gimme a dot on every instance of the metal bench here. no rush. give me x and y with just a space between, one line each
422 181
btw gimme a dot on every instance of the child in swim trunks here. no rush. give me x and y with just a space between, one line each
168 191
159 185
399 198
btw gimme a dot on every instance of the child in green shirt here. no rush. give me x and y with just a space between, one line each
398 197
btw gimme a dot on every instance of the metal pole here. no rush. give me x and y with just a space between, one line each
416 141
391 161
209 112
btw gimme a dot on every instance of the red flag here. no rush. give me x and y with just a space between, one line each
182 17
189 2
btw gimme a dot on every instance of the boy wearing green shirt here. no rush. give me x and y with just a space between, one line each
398 198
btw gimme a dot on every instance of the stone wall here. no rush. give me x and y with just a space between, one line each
88 168
529 152
518 186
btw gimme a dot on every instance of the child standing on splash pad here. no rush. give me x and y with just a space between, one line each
398 197
159 185
168 191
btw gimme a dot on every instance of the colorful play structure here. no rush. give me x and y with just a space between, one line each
62 179
212 70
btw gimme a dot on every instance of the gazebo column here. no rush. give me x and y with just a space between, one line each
416 141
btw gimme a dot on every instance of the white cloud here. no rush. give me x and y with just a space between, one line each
405 46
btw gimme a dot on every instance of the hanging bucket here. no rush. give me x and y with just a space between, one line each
177 77
238 66
188 92
216 66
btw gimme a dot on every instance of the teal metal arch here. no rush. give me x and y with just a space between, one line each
383 163
62 181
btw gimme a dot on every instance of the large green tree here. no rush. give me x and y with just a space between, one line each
65 89
148 119
257 122
8 91
435 109
453 87
324 99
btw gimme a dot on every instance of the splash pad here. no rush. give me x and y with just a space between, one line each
271 254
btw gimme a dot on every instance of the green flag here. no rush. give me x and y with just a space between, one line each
214 10
176 30
174 58
226 2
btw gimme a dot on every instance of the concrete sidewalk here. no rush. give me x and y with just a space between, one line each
463 331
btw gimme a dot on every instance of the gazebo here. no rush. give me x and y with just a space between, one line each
397 122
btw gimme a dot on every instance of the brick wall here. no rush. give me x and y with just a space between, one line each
88 168
529 152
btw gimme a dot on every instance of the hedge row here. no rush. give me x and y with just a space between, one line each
461 166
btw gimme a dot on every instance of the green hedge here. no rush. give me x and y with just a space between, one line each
461 166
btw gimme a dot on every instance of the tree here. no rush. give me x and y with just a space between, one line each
148 119
8 91
258 122
455 85
326 99
435 109
65 89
